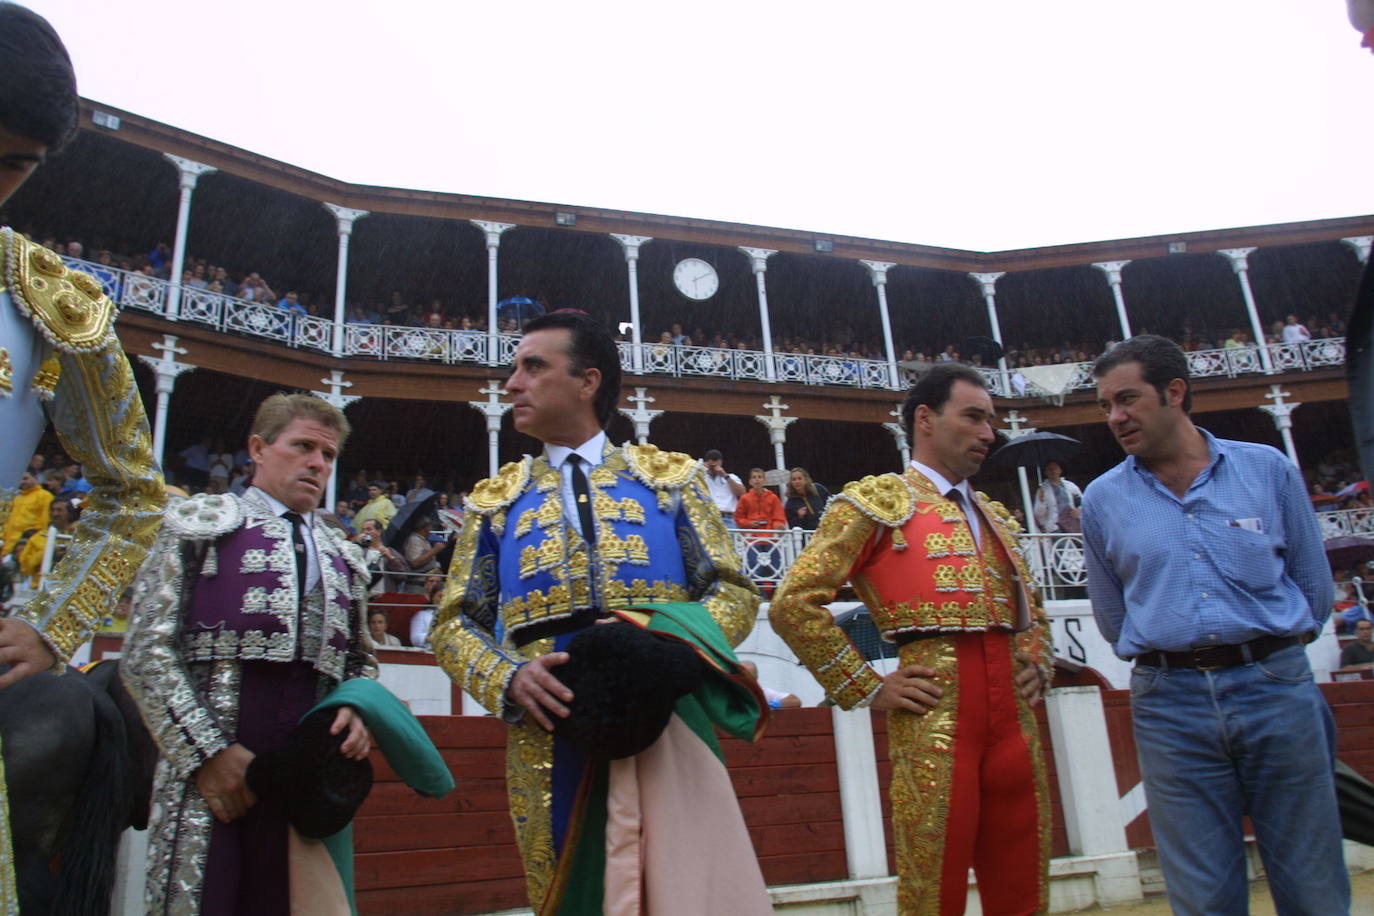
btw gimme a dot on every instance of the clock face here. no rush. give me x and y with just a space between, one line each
696 279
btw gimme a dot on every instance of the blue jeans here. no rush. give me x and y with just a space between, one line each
1254 739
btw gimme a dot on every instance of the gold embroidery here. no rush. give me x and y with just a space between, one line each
921 749
67 307
6 373
46 378
961 542
946 579
658 468
529 785
500 491
1030 728
101 419
525 523
529 559
632 550
798 610
885 498
937 546
971 578
610 509
549 513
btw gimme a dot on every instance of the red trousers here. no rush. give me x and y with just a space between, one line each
969 786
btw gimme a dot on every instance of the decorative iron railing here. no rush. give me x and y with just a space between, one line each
389 342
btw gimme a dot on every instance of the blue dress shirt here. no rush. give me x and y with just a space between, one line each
1239 556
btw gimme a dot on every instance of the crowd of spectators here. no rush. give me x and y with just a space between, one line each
839 341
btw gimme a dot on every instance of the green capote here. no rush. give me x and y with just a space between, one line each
407 747
728 699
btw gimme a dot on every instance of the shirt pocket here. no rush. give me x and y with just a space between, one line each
1250 560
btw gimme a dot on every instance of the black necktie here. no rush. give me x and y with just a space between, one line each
956 496
298 542
583 496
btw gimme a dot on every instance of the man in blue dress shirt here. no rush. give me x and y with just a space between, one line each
1205 566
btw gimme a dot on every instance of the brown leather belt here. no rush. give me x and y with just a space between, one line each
1212 657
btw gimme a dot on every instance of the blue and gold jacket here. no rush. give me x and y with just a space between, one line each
659 538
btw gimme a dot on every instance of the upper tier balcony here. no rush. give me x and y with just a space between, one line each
473 347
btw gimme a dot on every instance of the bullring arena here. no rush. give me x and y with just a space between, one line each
781 348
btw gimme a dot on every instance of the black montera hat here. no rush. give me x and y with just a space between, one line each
625 681
319 787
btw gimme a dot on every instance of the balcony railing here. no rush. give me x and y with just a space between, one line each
391 342
1346 522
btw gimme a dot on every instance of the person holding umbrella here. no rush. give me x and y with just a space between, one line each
1058 502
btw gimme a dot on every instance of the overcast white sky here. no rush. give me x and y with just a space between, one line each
983 125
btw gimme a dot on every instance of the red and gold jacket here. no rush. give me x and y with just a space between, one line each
911 557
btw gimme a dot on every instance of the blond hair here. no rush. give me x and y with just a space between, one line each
277 412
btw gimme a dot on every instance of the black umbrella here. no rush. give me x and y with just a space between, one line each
1355 796
987 349
406 518
1035 449
1348 552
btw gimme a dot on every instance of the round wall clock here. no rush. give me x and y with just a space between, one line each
696 279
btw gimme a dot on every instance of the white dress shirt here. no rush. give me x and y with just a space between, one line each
557 456
312 558
970 504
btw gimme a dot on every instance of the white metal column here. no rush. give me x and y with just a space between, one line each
493 232
758 261
1113 271
1281 412
493 410
1239 258
189 172
166 369
335 396
878 271
346 217
988 283
631 244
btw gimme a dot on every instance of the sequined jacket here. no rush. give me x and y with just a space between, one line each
182 652
911 557
59 356
518 562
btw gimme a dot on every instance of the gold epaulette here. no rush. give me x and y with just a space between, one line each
1000 512
660 469
203 517
495 493
68 307
885 498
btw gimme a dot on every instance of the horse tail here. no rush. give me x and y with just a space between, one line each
91 838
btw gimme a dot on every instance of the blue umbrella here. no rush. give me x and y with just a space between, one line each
521 308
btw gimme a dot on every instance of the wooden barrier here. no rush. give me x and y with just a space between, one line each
457 856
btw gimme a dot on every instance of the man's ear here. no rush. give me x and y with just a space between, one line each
256 445
921 416
1175 392
591 383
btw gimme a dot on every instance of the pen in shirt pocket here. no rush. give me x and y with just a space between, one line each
1249 524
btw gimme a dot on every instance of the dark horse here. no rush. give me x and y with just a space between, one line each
79 765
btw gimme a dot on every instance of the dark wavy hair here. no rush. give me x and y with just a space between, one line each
38 96
932 390
1161 361
590 346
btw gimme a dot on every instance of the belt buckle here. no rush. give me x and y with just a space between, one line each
1199 655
